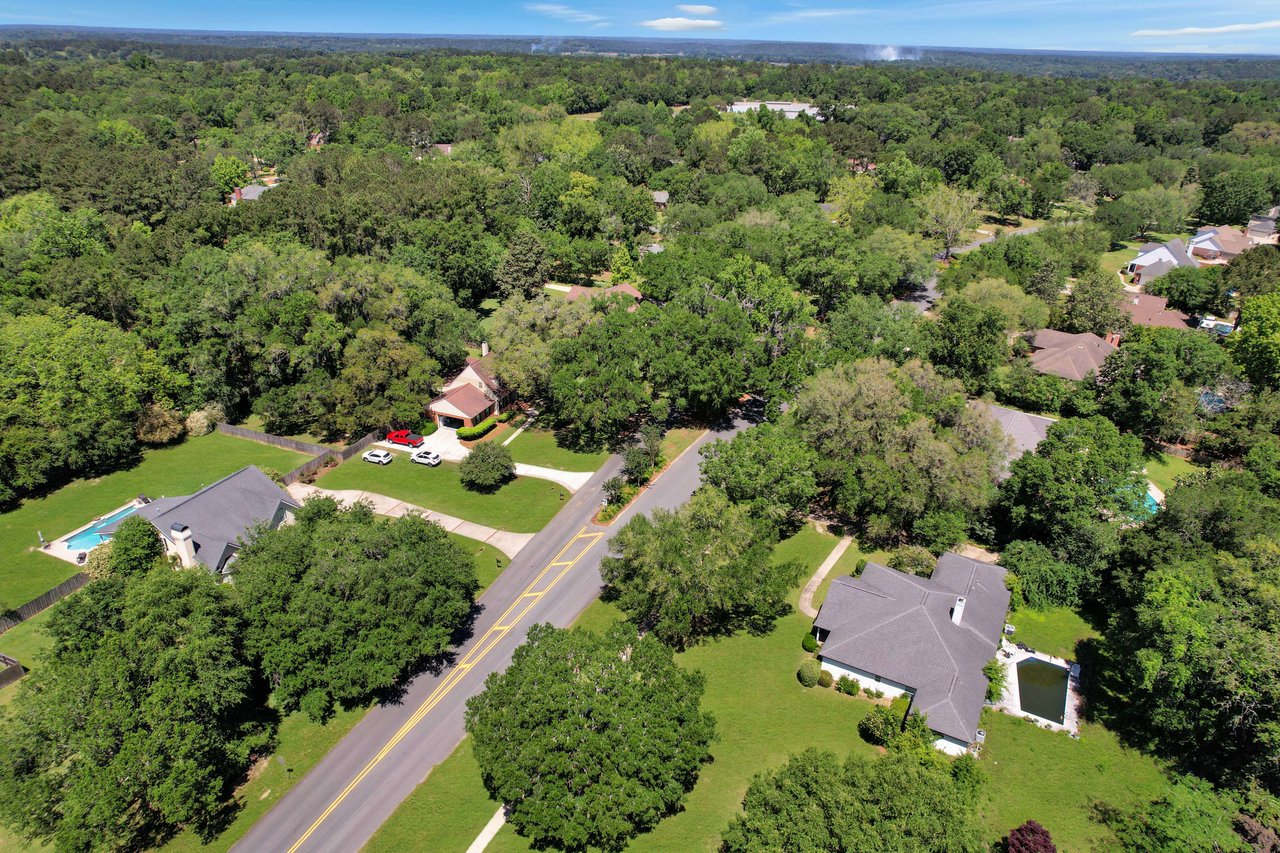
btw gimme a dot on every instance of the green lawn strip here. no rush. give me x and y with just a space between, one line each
1033 774
1164 469
808 546
677 441
301 743
539 447
1054 632
489 560
524 505
1118 259
24 642
179 470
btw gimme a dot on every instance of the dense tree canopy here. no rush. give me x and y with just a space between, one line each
604 755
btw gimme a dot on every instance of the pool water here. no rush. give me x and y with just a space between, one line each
90 538
1153 505
1042 689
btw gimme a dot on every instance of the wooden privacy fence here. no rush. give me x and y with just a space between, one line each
35 605
275 440
331 457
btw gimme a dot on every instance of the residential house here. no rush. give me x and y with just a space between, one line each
1024 431
660 198
209 527
1069 356
1262 228
1156 259
1147 309
790 109
445 148
927 637
1218 243
472 395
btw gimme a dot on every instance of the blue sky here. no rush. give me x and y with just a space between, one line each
1210 26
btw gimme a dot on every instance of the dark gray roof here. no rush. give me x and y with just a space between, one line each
221 515
899 627
252 192
1025 431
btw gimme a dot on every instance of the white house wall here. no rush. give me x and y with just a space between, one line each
950 746
890 688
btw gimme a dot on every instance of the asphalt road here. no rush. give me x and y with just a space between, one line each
340 804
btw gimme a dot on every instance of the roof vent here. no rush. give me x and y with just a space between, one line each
958 610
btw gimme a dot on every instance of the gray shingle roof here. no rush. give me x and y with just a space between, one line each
222 514
1024 430
899 627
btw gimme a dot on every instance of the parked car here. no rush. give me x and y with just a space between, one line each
377 457
404 437
426 457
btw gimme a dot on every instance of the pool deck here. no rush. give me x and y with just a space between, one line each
1010 703
59 548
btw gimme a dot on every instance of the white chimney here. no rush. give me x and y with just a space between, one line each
958 610
484 348
183 545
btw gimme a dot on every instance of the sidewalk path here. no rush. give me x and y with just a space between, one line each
571 480
806 597
505 541
490 830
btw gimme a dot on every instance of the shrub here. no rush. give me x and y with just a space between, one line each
98 564
637 465
825 679
847 686
505 416
274 475
203 420
810 643
615 488
158 424
808 672
913 560
1031 837
487 467
880 726
995 673
480 430
429 429
861 564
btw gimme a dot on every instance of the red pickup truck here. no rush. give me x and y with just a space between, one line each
405 437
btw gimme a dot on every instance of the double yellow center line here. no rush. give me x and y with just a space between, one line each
546 580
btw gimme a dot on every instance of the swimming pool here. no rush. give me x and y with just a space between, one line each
1153 505
90 538
1042 689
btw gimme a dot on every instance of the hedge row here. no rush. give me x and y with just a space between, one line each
479 430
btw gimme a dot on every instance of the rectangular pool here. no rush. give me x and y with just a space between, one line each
1042 689
90 538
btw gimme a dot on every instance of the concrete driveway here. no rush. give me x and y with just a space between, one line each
444 441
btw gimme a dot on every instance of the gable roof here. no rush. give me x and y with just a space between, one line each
462 401
1069 356
253 191
1263 225
1147 309
1025 431
1223 238
221 514
661 196
1176 249
900 627
483 369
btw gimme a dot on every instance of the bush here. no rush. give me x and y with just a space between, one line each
847 686
487 467
429 429
203 420
913 560
995 673
615 489
809 643
158 424
825 679
808 672
637 465
505 416
480 430
1031 837
880 726
272 474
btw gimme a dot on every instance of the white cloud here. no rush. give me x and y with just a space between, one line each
812 15
692 9
682 24
1208 31
562 12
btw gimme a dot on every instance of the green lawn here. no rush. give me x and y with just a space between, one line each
26 573
539 447
255 422
1055 632
677 441
1118 259
1046 776
1164 469
523 505
489 560
25 642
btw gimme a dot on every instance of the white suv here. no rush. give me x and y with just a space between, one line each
426 457
378 457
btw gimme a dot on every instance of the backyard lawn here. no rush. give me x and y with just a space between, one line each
1117 259
1055 631
539 447
24 642
26 573
523 505
1164 469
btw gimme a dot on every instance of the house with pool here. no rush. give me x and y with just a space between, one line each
924 637
208 527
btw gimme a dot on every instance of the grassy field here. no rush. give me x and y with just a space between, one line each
523 505
539 447
1164 469
24 642
1054 632
178 470
489 560
1118 259
1046 776
255 422
677 441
